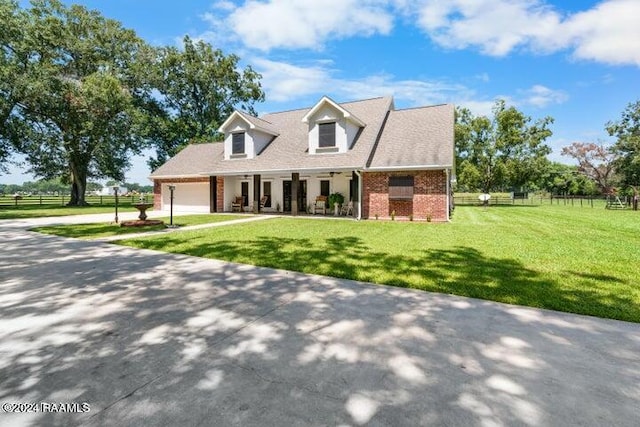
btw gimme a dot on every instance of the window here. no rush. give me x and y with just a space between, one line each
401 187
327 134
266 190
244 191
237 146
324 188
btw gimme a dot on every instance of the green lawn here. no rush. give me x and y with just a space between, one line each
578 260
37 211
96 230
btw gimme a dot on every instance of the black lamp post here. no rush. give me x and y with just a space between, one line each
115 192
171 189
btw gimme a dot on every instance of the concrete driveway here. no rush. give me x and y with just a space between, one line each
147 338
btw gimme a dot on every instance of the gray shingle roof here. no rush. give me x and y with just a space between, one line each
260 123
416 137
412 137
193 160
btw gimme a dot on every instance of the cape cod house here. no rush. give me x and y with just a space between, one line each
381 159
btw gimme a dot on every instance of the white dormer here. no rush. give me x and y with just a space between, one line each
332 128
245 136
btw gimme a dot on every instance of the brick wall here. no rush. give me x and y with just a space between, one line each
429 196
157 188
220 194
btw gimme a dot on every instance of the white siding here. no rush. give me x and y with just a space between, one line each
345 130
260 140
352 131
254 140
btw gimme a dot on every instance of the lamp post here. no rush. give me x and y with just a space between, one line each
115 192
171 189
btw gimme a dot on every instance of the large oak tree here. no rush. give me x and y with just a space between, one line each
68 103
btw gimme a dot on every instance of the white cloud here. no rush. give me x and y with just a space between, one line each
540 96
494 26
478 108
283 81
296 24
484 77
608 32
224 5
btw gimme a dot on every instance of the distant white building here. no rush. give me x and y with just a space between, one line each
108 191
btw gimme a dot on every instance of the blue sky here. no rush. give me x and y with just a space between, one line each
577 61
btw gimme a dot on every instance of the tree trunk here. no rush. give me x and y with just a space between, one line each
78 184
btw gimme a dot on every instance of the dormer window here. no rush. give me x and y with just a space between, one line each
331 128
327 135
237 146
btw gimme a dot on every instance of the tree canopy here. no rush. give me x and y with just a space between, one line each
72 111
79 93
627 131
595 161
505 151
197 88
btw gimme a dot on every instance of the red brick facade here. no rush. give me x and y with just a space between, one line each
220 194
157 188
429 196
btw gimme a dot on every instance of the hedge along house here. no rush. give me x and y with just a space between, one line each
382 159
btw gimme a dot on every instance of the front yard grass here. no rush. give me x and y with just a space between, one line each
578 260
97 230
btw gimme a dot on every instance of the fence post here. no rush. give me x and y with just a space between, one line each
100 199
63 200
40 199
580 201
572 201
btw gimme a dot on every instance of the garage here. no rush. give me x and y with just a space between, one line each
187 197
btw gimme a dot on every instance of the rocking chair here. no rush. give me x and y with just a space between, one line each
236 205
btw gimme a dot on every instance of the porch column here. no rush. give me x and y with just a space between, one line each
213 194
295 183
256 193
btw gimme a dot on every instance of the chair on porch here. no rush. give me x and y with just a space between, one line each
263 201
236 205
347 208
320 205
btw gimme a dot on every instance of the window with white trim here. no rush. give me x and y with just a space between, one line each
237 144
327 134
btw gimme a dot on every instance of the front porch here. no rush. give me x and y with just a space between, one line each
285 193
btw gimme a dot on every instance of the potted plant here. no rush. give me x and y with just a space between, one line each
335 200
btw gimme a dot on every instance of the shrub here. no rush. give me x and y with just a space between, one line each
335 198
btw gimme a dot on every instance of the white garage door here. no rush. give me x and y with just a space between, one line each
187 197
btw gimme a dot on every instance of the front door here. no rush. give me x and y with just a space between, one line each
302 196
